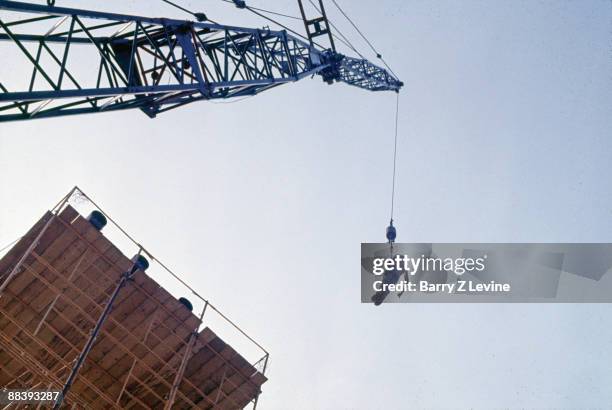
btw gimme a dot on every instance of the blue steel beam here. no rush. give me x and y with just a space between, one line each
85 61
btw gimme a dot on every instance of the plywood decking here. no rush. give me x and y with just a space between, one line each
49 308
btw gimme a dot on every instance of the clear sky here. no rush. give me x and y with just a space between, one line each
505 135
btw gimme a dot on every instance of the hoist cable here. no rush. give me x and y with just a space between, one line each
344 39
194 14
257 12
252 10
347 43
276 13
378 55
355 26
394 155
267 11
179 7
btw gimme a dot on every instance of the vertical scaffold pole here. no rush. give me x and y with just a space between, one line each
138 263
263 371
181 371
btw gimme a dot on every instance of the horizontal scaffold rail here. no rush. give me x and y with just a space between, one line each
87 61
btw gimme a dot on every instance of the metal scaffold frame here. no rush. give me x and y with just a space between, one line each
98 296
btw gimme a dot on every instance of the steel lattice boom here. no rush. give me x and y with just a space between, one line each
86 61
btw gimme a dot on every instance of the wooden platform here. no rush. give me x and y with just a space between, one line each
49 308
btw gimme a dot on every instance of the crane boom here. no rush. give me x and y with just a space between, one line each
88 61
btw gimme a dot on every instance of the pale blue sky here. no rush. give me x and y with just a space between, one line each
505 135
